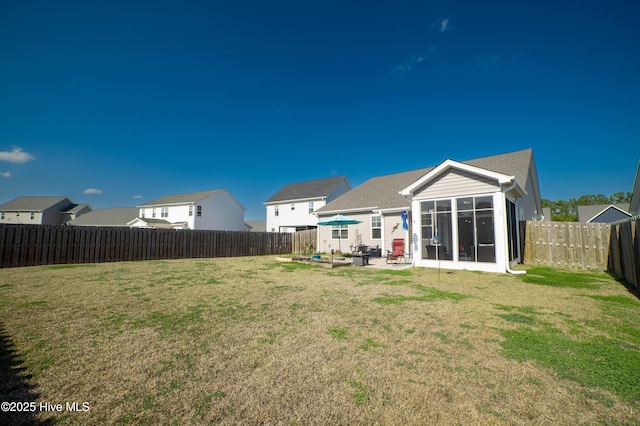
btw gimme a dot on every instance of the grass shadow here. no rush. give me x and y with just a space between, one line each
630 287
15 387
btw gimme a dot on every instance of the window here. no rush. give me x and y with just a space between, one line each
164 212
310 207
199 211
277 210
32 216
340 232
376 227
293 206
142 213
2 215
153 212
191 210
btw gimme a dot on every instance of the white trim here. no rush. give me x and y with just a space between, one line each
294 200
393 210
332 212
371 216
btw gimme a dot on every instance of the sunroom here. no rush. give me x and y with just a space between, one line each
465 217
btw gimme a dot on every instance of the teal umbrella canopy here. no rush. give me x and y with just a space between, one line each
339 220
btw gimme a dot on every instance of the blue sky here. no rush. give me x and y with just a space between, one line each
115 103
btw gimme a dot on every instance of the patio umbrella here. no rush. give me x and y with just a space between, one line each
339 220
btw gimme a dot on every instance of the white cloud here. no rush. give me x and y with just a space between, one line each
137 196
442 24
16 155
92 191
6 174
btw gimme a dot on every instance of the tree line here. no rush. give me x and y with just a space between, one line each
567 211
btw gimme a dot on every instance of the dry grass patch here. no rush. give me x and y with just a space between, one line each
252 340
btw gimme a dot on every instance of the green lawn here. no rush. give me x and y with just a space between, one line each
251 340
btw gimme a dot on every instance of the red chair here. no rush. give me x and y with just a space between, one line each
397 254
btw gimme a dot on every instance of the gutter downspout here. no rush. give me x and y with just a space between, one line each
506 235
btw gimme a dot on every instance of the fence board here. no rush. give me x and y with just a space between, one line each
302 238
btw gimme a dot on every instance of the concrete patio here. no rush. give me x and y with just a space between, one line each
381 263
374 262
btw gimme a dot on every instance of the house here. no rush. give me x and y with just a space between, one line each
119 216
293 207
603 213
41 210
215 209
634 205
459 214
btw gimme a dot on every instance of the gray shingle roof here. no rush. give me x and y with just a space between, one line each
309 189
586 213
510 164
257 225
382 192
31 203
118 216
190 197
158 223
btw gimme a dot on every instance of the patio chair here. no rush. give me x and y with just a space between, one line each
397 253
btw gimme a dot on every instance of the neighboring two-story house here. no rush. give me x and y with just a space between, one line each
215 209
41 210
293 207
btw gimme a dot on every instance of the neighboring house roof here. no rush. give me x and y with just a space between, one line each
118 216
191 197
382 192
589 213
32 203
75 208
318 188
156 223
188 198
257 225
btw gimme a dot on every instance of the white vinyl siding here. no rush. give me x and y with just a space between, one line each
457 183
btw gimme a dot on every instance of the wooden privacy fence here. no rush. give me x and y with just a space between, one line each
624 253
30 245
614 248
304 242
567 244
